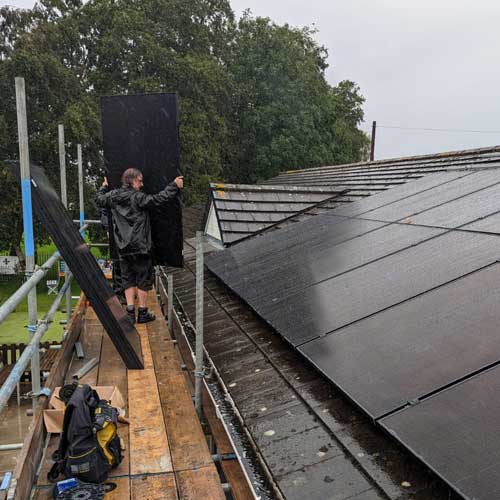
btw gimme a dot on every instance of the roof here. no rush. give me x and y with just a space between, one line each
367 178
314 443
237 211
393 298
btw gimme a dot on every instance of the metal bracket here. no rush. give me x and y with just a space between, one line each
44 391
32 328
414 402
199 374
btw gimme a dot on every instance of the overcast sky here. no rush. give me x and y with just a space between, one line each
427 64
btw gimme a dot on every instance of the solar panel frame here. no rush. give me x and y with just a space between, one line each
142 131
455 433
49 209
400 355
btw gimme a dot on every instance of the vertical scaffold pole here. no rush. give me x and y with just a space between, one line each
80 187
29 241
199 323
64 199
170 305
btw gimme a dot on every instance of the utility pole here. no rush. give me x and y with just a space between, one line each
29 240
372 150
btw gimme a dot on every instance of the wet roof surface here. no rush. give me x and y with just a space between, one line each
242 210
387 311
315 442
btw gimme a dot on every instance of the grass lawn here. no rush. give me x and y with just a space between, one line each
13 329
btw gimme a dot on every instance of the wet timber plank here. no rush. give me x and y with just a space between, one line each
158 487
112 370
235 477
199 484
91 339
48 462
224 446
44 493
187 441
149 446
122 491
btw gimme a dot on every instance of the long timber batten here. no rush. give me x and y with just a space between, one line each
166 453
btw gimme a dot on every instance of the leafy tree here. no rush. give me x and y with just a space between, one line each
253 95
285 113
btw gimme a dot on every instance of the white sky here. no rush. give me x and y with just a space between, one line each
426 64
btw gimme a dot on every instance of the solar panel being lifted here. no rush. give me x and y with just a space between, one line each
75 252
395 315
141 131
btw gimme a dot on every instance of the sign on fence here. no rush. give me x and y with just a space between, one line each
9 265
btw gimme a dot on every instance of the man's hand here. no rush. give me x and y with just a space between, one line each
179 182
105 183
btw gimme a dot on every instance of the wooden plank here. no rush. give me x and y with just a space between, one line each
158 487
146 349
222 441
199 484
186 438
112 370
44 493
122 491
149 446
91 339
238 481
232 468
47 462
31 453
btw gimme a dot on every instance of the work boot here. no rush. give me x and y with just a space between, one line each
131 313
145 316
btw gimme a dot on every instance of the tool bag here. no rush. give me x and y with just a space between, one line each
89 446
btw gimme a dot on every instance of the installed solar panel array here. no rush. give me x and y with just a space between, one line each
395 298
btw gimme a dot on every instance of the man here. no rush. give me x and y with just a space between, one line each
132 232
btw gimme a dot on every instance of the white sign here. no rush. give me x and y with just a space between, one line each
9 264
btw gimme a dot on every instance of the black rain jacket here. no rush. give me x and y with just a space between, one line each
129 210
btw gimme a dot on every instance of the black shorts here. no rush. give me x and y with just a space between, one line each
137 270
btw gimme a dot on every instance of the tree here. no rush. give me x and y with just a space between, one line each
285 114
253 95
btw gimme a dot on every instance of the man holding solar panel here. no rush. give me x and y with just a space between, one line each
129 207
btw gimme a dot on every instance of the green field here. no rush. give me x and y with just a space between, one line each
13 329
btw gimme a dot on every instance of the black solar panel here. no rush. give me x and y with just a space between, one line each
435 197
464 210
392 195
415 348
55 218
336 302
141 131
299 267
456 434
393 313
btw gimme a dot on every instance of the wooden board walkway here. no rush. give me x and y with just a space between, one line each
166 455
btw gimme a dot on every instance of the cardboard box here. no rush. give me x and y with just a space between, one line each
54 416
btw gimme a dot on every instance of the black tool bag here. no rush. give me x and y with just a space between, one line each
80 453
